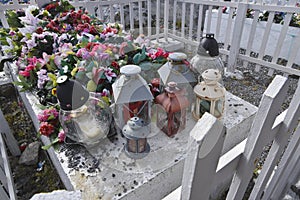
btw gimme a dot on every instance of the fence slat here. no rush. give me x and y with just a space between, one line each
261 133
218 24
251 35
236 36
192 6
183 19
157 19
141 19
174 16
166 19
131 16
295 46
265 39
12 144
281 140
208 19
199 24
204 149
228 28
10 183
122 16
149 18
282 35
288 163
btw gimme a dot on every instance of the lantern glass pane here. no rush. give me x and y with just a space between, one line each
204 106
162 118
219 106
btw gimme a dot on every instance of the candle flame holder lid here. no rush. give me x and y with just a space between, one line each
70 93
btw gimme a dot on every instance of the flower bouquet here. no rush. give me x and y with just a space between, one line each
59 40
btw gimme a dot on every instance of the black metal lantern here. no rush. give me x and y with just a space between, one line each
207 56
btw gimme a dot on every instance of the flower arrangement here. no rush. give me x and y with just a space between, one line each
58 40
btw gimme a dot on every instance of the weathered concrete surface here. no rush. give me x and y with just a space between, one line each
160 172
58 195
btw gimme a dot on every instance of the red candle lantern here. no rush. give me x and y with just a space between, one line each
171 109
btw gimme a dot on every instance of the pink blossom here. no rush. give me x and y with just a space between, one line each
24 73
109 74
61 136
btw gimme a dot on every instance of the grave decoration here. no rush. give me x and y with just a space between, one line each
171 109
207 56
210 95
58 40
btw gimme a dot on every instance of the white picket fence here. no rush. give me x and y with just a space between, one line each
184 25
184 22
7 188
203 160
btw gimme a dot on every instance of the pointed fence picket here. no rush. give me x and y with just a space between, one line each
267 126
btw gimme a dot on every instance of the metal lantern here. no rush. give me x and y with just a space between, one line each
210 95
207 56
136 131
132 96
84 117
171 109
177 70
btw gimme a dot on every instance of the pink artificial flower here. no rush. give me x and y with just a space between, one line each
109 74
24 73
61 136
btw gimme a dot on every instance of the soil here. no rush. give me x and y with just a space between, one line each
32 179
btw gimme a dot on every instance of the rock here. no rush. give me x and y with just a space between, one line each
30 154
58 195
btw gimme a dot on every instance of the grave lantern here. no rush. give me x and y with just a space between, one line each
210 95
132 96
177 70
171 109
84 117
207 56
136 131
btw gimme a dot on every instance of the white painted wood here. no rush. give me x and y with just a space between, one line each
166 19
295 46
10 183
218 24
3 194
122 16
236 36
228 28
251 36
149 17
205 145
280 142
157 18
111 14
208 19
140 18
200 18
174 16
280 41
285 167
131 16
183 20
9 138
192 6
265 38
260 135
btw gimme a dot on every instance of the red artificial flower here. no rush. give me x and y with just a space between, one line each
115 65
29 68
85 18
46 128
51 6
93 30
39 30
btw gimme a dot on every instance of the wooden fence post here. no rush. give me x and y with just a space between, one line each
261 134
204 149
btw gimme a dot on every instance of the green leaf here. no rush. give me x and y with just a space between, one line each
91 86
46 147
